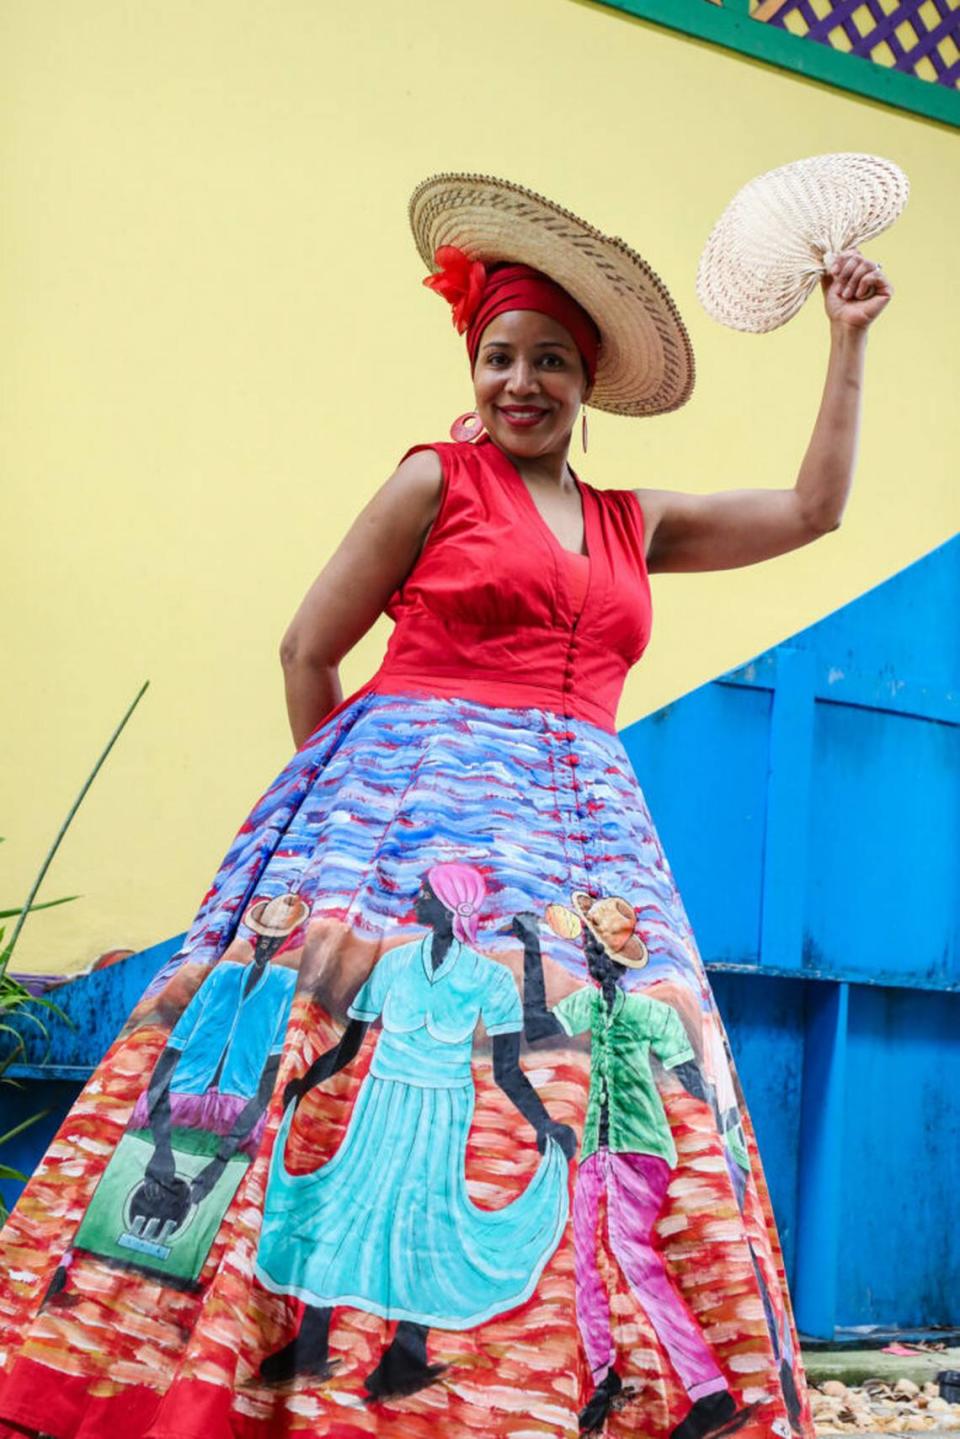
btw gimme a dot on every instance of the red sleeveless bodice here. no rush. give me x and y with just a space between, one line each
493 611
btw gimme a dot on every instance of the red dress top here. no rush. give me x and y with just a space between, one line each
496 610
578 578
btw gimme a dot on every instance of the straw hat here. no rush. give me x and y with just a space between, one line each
646 364
276 917
780 233
613 922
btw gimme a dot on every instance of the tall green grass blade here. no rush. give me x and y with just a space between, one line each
5 957
24 1124
47 904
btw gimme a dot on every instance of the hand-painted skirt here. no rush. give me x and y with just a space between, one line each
143 1287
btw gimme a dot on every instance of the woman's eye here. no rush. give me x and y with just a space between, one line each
500 360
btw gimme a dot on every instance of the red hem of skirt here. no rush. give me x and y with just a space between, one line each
191 1409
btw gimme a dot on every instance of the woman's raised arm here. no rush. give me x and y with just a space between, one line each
741 527
352 590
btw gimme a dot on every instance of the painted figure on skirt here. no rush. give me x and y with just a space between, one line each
627 1154
198 1123
387 1225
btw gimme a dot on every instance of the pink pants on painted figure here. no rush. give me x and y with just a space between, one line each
635 1186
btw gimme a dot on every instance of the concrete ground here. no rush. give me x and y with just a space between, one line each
853 1366
895 1415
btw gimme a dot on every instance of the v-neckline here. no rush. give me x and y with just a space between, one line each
445 965
561 558
588 539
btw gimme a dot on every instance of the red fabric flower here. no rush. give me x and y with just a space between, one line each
460 281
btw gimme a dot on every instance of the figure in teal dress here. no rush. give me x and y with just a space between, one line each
387 1225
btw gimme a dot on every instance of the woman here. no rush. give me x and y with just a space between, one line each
326 1234
486 740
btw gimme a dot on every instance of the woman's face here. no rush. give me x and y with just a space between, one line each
426 906
529 383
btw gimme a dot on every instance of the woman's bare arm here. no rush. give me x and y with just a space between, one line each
742 527
352 590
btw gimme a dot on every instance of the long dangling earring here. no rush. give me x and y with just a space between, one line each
583 430
467 427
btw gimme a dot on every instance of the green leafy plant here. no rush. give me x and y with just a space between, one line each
16 1001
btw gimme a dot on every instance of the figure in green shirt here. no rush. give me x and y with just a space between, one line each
627 1153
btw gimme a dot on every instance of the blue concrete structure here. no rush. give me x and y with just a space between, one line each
810 806
809 803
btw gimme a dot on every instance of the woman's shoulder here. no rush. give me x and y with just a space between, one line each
426 470
626 511
434 457
626 501
412 495
421 466
444 477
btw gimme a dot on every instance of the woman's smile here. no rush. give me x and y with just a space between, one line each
523 416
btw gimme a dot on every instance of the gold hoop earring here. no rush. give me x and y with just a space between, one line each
583 431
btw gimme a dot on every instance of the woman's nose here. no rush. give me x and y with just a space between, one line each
522 379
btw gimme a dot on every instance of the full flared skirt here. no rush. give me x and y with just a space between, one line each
143 1286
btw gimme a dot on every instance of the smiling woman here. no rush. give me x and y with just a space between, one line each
526 353
530 382
531 1197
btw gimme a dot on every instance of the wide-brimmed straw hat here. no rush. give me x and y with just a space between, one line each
780 233
276 917
613 921
645 366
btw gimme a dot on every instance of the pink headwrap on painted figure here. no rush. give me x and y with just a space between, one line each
461 889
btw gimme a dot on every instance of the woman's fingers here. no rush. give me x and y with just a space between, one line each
859 275
850 276
855 290
856 276
845 264
867 284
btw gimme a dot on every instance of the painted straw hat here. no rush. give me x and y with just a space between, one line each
276 917
645 366
779 234
614 922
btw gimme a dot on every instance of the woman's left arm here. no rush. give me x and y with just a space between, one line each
741 527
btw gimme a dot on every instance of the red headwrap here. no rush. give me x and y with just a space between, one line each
478 295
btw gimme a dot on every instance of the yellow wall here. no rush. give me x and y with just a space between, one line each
215 345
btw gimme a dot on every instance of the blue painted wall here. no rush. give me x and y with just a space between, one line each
901 1196
809 804
766 1026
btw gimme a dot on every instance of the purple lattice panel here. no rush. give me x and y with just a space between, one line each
883 27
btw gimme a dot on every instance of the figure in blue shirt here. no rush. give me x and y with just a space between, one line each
161 1199
218 1069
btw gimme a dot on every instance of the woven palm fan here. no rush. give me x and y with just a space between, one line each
780 233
